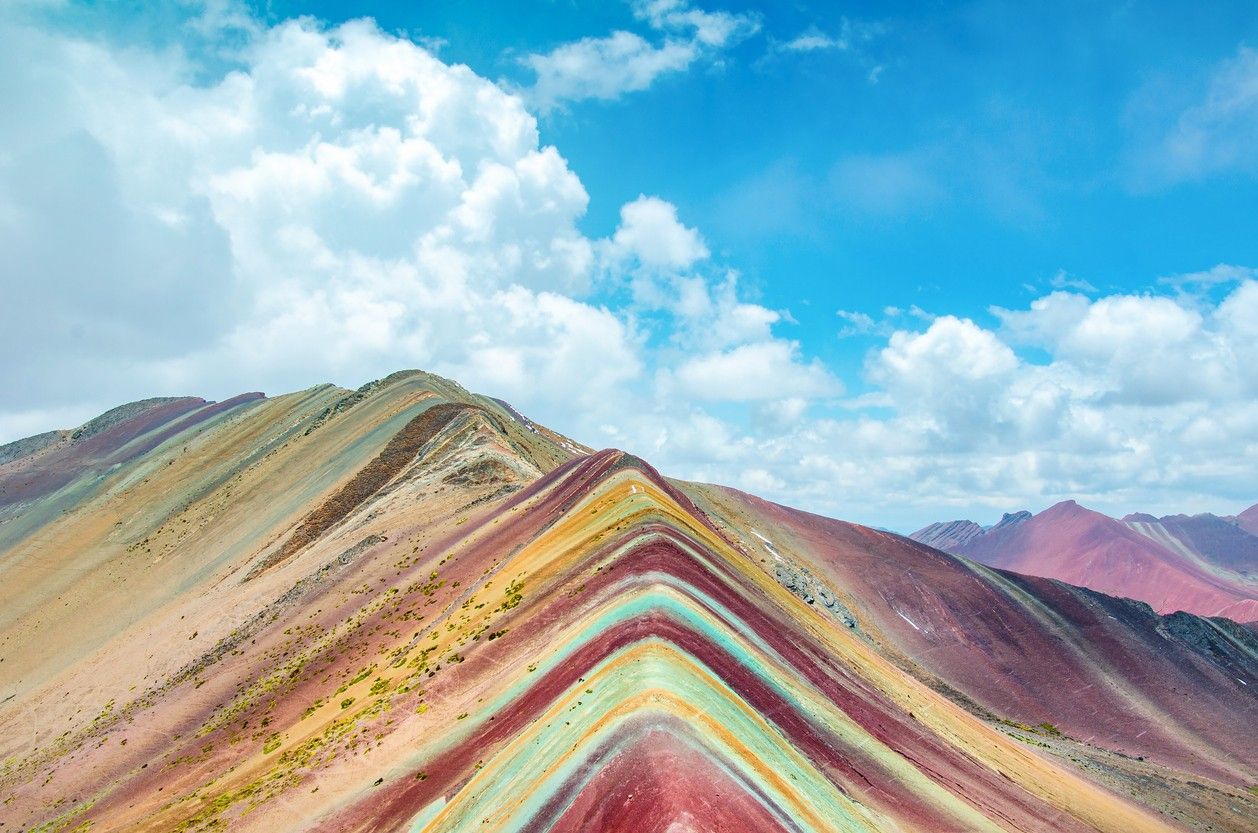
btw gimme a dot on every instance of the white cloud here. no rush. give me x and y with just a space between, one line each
1137 349
1064 280
342 204
890 320
957 422
952 351
1219 274
811 41
606 68
858 323
711 29
650 233
603 68
711 315
1237 320
853 39
660 257
760 481
749 372
775 413
586 355
852 35
947 376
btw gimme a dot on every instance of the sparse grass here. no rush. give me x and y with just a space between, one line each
1044 729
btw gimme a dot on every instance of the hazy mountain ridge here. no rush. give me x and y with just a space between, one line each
1203 564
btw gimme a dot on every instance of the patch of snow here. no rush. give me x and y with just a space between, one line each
907 619
768 545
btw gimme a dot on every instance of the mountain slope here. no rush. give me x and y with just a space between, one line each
952 536
1207 538
948 535
410 608
1139 558
1248 520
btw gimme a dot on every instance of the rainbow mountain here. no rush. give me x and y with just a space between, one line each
410 608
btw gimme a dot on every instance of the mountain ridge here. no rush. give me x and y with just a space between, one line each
495 628
1202 564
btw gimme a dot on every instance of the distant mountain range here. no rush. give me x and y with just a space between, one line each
1205 564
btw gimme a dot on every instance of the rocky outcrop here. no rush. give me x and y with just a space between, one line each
1248 520
955 536
948 536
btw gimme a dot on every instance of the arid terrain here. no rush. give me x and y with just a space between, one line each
408 607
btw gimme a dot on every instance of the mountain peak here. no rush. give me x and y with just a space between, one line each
1012 519
1248 520
407 606
1071 508
948 535
1198 563
1067 505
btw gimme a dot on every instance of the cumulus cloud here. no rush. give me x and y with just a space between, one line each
1136 349
946 377
342 203
651 234
1136 400
711 315
1237 322
624 62
586 355
950 353
762 370
92 269
660 258
1123 401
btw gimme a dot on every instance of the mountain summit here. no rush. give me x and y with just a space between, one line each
410 608
1203 564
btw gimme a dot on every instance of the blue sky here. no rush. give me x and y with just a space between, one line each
1010 139
887 262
